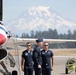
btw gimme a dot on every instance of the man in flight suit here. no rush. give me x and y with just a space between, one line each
27 61
37 57
47 54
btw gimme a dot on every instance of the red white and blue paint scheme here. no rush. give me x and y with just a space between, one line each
3 34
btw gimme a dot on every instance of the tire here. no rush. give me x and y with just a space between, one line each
75 69
14 72
66 70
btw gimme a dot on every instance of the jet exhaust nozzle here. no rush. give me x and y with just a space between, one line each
3 53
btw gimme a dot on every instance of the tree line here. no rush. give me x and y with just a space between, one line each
53 34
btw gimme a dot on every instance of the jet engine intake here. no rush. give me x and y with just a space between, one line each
3 53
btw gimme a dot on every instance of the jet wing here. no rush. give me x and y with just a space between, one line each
33 40
12 42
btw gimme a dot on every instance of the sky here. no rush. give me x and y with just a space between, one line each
13 8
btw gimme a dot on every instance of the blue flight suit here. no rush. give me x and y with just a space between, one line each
37 60
28 64
46 62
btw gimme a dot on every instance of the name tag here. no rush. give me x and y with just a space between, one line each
48 52
26 54
43 52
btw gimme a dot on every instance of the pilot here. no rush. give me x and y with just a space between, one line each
27 61
47 64
37 57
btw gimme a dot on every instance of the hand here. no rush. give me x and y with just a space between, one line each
52 69
39 66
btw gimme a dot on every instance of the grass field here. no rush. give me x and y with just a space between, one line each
57 52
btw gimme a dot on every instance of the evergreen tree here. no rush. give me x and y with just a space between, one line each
32 34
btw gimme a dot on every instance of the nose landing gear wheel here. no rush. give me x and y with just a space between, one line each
14 72
66 70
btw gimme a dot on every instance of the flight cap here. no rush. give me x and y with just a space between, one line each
39 40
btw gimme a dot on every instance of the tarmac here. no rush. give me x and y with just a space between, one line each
59 66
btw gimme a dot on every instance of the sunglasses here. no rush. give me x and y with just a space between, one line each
45 45
28 45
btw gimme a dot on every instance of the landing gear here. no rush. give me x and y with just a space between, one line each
5 68
14 72
9 73
66 70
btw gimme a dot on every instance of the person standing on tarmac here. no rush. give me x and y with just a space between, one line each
27 61
37 57
47 64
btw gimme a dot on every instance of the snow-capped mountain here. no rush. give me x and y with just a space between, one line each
39 19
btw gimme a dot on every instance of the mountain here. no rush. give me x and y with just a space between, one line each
39 19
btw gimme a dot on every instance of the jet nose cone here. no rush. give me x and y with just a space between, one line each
2 39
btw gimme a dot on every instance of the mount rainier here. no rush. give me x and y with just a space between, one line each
40 18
